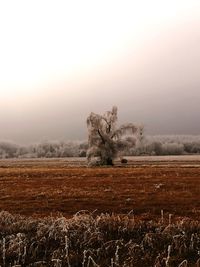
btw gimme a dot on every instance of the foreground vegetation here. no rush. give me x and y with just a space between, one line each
104 240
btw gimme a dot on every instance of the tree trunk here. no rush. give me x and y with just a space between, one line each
109 162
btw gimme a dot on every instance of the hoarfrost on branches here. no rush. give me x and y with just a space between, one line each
105 140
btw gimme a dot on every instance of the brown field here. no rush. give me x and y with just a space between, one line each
145 186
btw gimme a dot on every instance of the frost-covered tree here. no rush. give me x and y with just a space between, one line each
105 140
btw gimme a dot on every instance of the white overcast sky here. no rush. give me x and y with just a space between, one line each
60 60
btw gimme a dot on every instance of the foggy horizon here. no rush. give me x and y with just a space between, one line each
61 60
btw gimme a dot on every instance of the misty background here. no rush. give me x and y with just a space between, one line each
149 67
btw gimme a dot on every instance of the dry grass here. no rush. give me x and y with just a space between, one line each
104 240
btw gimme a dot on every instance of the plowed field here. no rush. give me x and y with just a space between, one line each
144 187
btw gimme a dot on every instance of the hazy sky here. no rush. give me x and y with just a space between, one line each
60 60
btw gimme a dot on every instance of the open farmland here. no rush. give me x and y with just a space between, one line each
145 186
116 228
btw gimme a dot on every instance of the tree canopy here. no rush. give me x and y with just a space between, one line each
105 139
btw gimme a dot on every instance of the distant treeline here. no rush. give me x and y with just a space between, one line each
159 145
149 145
49 149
